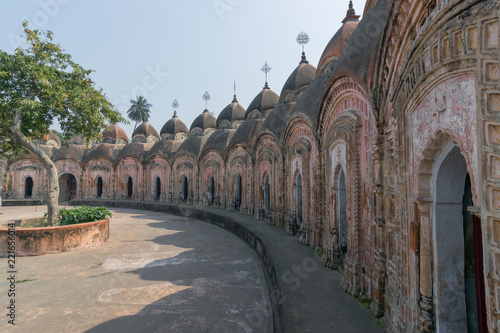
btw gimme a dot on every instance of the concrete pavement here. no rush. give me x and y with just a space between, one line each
157 273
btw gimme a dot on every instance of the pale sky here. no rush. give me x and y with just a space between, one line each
166 50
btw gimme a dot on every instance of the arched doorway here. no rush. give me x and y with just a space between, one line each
184 188
237 191
458 267
211 190
129 187
342 217
67 187
99 187
157 188
298 200
28 187
267 199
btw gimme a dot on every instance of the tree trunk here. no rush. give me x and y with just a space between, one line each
53 181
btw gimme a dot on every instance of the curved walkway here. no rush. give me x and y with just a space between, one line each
157 273
306 297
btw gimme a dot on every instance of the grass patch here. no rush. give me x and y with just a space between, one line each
365 301
379 324
34 223
22 281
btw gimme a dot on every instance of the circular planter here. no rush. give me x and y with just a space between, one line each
44 240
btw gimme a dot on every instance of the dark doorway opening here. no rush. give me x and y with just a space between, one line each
237 190
267 199
184 186
298 200
28 187
67 187
458 257
342 217
99 187
157 188
129 187
211 190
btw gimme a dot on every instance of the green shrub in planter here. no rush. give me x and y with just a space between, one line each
82 214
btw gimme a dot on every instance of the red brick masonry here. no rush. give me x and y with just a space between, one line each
45 240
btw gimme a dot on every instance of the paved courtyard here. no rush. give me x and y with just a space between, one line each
157 273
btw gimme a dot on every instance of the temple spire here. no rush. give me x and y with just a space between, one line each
175 105
266 69
234 98
351 14
303 39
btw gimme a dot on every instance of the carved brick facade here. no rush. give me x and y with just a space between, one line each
372 163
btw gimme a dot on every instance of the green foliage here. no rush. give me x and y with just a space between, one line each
42 84
139 110
83 214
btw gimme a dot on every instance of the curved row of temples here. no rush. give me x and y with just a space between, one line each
385 158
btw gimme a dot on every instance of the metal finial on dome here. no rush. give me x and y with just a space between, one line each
175 105
206 98
303 39
351 10
266 69
351 14
234 98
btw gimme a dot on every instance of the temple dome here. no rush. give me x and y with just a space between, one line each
204 124
144 133
114 134
174 129
52 139
262 104
232 115
303 74
336 46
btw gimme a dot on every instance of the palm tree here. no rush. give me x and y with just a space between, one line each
139 110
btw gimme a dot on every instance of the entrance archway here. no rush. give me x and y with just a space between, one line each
157 188
99 187
129 187
267 198
298 200
184 188
237 191
67 187
459 281
342 217
28 187
211 190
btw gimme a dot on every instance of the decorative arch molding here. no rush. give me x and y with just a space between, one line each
422 47
20 170
211 164
345 133
298 126
94 169
68 166
344 95
237 150
240 161
133 168
433 149
155 167
269 196
439 147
